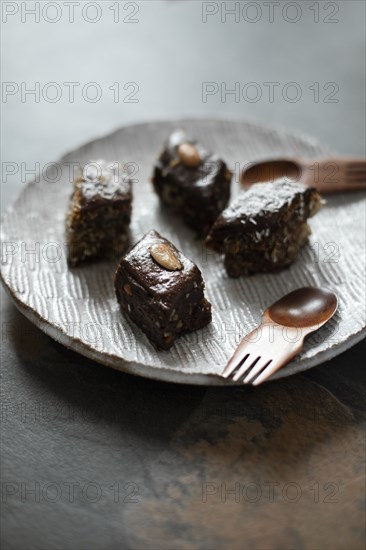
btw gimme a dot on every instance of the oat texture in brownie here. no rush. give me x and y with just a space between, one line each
265 227
192 181
98 218
161 290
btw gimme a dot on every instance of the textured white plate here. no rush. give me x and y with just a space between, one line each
78 307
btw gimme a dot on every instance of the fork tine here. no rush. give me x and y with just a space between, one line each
236 360
268 371
256 370
246 366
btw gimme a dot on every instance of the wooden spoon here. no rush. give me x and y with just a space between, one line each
328 175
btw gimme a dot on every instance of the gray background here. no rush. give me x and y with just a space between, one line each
169 53
67 420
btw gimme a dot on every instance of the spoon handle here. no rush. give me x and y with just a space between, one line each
335 174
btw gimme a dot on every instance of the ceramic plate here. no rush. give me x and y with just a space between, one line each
78 307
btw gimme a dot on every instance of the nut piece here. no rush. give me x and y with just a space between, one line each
173 163
165 257
127 289
188 155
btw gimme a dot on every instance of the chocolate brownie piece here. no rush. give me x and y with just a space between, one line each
97 222
161 290
265 227
194 182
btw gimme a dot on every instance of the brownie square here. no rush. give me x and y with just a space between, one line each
161 290
98 218
192 181
265 227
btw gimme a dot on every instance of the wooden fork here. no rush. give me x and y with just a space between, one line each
280 336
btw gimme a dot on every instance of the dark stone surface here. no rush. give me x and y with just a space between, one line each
93 458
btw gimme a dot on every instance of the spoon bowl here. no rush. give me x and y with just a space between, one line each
304 308
271 170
